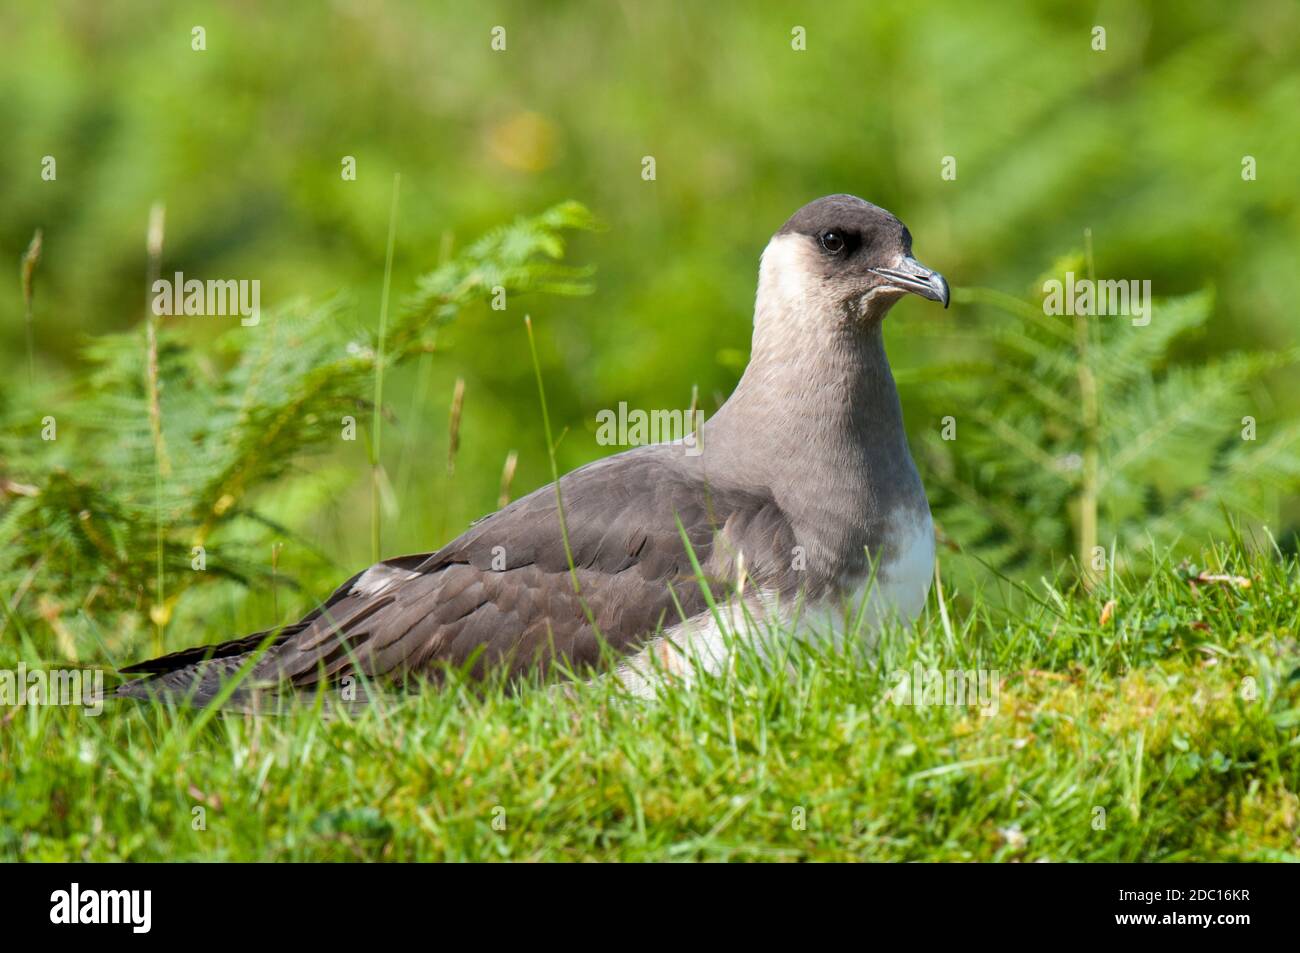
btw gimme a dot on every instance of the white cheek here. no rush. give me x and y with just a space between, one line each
783 273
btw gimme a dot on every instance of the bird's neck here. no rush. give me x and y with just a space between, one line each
816 423
817 402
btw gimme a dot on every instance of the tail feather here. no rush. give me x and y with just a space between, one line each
198 675
198 683
187 658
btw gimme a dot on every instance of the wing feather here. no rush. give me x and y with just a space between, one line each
502 593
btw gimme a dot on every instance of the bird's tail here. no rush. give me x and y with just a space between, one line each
199 675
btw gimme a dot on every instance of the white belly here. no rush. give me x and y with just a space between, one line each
902 584
896 593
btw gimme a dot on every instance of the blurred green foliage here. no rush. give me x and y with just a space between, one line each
1079 436
1141 143
167 447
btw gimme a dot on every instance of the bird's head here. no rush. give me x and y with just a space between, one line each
844 259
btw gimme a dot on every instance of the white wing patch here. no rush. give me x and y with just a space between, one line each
379 578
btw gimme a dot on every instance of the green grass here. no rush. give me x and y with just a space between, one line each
1178 717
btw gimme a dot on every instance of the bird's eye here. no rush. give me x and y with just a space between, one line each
833 242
